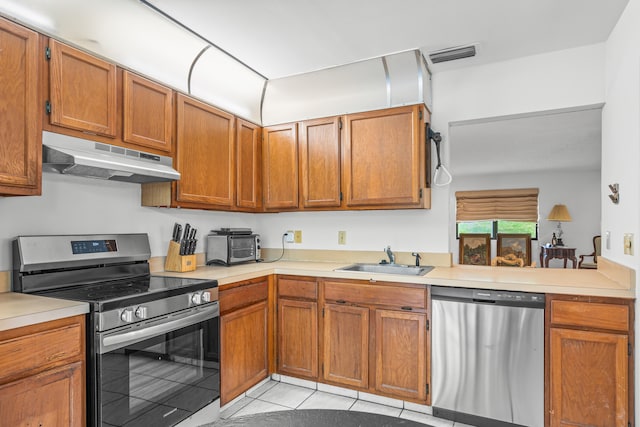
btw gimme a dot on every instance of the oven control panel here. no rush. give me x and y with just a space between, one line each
152 309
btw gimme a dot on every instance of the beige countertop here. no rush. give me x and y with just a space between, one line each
17 310
543 280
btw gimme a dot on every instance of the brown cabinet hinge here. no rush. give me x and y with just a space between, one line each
427 387
47 107
47 53
426 326
340 123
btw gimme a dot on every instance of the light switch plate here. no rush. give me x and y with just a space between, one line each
342 237
297 236
628 243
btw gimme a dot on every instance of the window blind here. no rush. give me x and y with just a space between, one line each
511 205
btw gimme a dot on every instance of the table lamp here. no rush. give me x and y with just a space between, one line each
561 214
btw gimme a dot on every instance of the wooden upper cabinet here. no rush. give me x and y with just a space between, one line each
248 165
147 112
280 166
320 162
20 145
383 158
205 154
82 91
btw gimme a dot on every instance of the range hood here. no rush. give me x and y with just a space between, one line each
74 156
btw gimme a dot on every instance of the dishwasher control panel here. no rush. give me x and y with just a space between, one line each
489 296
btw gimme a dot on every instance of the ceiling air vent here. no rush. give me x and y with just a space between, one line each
452 54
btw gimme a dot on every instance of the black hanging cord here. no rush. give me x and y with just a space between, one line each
281 255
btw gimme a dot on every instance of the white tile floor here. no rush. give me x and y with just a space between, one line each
282 395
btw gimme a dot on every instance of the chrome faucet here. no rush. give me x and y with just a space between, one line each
392 257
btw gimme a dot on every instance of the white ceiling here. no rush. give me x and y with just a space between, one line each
284 37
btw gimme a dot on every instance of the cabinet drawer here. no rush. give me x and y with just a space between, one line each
591 315
389 295
36 351
296 288
243 296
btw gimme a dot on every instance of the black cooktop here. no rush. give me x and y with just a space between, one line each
122 293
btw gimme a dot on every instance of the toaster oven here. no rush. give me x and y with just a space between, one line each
230 249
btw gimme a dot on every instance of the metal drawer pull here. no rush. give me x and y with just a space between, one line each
406 308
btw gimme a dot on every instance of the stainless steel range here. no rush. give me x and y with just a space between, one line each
152 341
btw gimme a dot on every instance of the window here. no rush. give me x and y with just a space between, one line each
497 211
498 226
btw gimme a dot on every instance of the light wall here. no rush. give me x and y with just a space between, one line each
621 148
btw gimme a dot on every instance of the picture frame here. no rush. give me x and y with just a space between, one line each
516 246
475 248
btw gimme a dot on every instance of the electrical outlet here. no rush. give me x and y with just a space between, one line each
288 236
297 236
628 243
342 237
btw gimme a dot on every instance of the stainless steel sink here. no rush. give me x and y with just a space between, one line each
388 269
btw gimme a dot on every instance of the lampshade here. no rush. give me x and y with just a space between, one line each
559 213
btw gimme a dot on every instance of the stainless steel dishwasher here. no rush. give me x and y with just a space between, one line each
487 355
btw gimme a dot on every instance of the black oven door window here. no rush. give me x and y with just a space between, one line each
161 380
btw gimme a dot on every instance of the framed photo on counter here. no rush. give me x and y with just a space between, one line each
517 246
475 248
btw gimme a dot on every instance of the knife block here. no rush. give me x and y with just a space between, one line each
177 262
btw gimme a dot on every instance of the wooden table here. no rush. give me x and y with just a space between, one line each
560 252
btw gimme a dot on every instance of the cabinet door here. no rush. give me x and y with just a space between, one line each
244 351
382 158
204 154
51 398
280 166
83 91
249 177
298 338
320 162
20 145
588 378
148 112
346 345
401 351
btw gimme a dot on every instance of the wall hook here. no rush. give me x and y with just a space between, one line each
615 197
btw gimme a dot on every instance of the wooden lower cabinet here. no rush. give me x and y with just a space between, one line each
244 336
401 361
244 356
346 345
590 362
375 337
298 338
42 374
52 398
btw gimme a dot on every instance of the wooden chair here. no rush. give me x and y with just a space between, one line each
595 254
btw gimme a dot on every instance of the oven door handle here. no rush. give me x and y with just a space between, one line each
111 341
